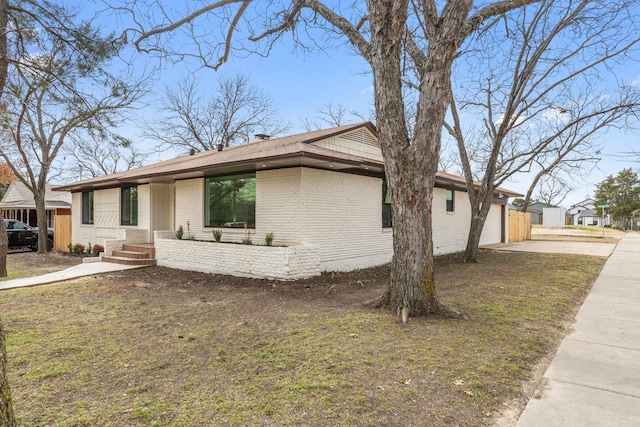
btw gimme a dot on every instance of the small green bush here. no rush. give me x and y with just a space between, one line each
268 239
179 233
70 247
247 241
217 235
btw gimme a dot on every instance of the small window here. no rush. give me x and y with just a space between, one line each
87 207
230 201
386 206
450 201
129 205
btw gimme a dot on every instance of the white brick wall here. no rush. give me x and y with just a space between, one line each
278 207
144 212
106 218
343 218
283 263
339 214
190 207
451 229
327 220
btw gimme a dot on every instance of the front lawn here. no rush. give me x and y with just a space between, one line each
162 347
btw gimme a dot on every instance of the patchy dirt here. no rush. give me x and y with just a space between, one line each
33 263
159 346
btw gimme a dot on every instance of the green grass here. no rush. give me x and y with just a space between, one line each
143 353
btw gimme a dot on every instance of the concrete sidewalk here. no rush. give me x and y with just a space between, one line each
80 270
594 378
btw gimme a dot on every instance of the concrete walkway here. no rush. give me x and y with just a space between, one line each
80 270
594 378
556 247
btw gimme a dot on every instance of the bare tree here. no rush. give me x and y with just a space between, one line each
553 189
46 104
331 115
229 116
542 99
389 35
98 155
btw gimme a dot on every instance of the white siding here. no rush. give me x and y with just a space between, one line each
278 207
106 218
451 229
144 210
343 219
338 214
332 216
81 233
359 143
190 208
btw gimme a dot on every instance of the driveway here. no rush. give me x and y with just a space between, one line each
556 247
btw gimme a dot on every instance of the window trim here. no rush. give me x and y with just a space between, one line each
129 215
385 196
450 203
207 214
87 207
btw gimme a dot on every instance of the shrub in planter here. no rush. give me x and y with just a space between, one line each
268 239
96 249
70 247
78 249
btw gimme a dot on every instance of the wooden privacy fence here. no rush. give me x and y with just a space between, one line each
61 232
519 226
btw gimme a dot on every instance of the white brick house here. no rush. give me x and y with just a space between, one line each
320 193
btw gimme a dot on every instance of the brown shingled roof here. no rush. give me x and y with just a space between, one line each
273 153
288 151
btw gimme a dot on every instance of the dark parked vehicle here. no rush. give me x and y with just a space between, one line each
22 235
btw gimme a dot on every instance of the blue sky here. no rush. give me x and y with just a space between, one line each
302 84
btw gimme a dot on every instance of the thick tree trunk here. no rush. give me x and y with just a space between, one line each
4 244
410 164
473 239
6 407
479 214
41 215
4 64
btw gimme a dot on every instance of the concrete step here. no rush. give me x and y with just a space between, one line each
131 254
128 261
147 248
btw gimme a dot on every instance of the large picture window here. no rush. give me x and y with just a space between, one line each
129 205
230 201
386 206
87 207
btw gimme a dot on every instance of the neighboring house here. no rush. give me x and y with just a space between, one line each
18 203
583 213
322 194
536 210
586 217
